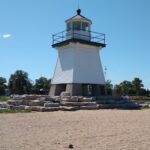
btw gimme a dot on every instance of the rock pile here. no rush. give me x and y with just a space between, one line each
65 102
116 102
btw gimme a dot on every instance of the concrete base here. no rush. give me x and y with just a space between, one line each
56 89
76 89
98 90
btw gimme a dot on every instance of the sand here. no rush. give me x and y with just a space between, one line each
86 130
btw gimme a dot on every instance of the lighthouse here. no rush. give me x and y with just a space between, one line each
78 69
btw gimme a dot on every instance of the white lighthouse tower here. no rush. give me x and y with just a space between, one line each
78 69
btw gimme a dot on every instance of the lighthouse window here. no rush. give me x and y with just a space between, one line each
76 25
85 26
69 26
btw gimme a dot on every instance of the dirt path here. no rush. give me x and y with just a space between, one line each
86 130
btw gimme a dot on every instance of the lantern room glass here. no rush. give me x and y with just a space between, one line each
77 25
85 26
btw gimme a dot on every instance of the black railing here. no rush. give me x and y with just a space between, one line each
79 34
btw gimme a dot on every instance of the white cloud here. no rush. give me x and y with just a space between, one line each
5 36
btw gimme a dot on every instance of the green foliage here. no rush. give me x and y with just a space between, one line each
42 84
19 83
130 88
117 89
2 85
124 88
4 98
108 87
137 85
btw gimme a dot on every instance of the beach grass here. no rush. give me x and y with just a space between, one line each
4 98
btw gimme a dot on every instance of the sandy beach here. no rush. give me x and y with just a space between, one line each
85 130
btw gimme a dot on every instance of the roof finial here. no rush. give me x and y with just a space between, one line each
79 11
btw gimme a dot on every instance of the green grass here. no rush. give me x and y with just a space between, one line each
6 111
14 111
4 98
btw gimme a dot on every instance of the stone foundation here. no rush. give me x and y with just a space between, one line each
76 89
56 89
65 102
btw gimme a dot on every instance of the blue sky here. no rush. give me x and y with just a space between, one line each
26 27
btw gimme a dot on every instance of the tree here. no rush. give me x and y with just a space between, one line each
19 83
126 87
108 87
148 93
117 89
42 85
143 92
2 85
137 85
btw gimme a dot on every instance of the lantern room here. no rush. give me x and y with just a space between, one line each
78 27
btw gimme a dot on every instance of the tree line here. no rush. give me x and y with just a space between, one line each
19 83
130 88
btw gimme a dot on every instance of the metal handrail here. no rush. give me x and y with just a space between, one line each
64 35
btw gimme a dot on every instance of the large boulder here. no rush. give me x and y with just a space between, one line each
86 99
74 99
70 98
17 97
20 107
28 97
44 109
56 99
51 104
65 99
48 109
47 99
77 103
36 108
4 105
69 108
64 94
15 102
145 105
36 103
26 102
92 107
129 106
119 106
105 106
27 108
